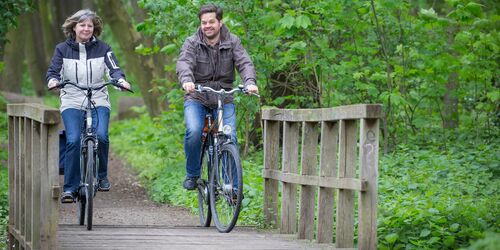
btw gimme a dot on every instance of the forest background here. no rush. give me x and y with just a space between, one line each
432 64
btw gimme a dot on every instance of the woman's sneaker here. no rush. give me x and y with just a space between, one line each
67 197
104 185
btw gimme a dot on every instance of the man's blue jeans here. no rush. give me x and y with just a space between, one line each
194 116
73 124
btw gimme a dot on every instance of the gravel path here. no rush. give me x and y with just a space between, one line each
127 203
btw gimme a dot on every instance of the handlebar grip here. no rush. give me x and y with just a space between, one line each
58 86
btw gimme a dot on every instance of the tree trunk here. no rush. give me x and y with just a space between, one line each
13 58
142 67
450 99
49 41
35 56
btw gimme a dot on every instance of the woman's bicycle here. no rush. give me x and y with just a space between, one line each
220 186
89 162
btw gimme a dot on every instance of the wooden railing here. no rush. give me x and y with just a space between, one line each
33 176
339 148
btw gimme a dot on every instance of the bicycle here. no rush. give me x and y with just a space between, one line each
220 186
89 162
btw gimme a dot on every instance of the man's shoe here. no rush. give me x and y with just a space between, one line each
67 197
104 185
190 183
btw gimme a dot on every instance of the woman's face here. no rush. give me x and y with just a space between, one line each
84 30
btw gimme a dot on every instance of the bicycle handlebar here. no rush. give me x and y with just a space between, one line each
112 82
240 88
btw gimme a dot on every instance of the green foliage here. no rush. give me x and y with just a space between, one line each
329 53
490 242
10 10
4 205
430 198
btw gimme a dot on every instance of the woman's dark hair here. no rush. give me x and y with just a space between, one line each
211 8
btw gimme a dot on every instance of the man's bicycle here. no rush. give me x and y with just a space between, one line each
220 186
89 162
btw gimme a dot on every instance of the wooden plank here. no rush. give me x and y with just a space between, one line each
328 168
34 111
319 181
309 154
163 237
27 178
347 169
271 153
290 165
369 134
358 111
12 172
35 186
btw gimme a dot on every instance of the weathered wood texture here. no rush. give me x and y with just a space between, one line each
33 176
162 237
342 152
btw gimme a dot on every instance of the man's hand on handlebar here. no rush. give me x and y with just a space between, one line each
188 87
252 89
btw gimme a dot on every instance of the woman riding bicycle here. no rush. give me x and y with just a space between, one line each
85 60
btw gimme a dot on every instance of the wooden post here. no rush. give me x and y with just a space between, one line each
27 178
36 187
328 168
290 165
271 153
369 133
310 135
53 180
19 179
12 177
345 207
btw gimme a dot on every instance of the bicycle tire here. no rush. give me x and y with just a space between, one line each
81 191
225 196
203 190
89 184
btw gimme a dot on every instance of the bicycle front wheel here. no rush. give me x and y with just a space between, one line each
81 190
89 183
226 188
203 197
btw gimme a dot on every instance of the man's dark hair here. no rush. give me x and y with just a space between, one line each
211 8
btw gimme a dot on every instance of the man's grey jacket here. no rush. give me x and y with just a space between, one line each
195 64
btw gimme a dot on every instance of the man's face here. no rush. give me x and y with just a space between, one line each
210 26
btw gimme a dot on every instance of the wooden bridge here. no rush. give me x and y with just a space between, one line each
347 167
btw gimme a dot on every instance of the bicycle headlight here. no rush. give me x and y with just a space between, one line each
227 130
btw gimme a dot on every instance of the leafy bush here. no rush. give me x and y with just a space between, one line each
438 199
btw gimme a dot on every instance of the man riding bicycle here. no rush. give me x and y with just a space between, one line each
209 58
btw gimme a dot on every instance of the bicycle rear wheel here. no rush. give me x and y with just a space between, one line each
89 183
203 197
226 188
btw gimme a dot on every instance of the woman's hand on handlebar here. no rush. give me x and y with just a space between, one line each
52 83
124 84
